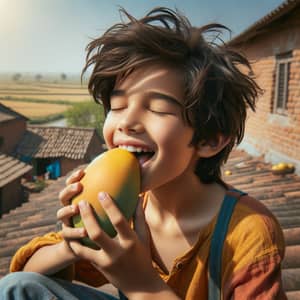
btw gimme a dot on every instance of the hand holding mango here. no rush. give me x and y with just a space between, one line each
116 172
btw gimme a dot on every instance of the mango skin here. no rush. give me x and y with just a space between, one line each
116 172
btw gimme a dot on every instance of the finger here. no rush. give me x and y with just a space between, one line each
76 176
115 215
141 228
65 213
93 229
66 195
95 257
70 233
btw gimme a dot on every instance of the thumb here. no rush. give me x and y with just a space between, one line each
140 224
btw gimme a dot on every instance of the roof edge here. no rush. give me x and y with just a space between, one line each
62 128
275 14
14 112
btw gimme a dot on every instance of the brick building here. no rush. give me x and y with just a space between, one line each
273 46
12 127
12 193
60 148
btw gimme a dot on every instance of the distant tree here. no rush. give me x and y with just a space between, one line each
38 77
63 76
86 114
17 76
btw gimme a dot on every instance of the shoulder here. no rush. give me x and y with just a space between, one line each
253 252
253 232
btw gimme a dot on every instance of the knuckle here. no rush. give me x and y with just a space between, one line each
129 245
118 220
65 233
95 235
68 180
59 214
61 195
74 176
107 264
71 188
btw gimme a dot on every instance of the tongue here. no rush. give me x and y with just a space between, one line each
143 158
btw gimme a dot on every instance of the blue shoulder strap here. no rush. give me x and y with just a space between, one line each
122 296
217 241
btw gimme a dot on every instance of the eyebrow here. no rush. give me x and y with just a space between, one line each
151 94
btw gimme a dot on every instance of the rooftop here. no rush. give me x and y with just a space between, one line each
257 27
11 169
45 142
280 193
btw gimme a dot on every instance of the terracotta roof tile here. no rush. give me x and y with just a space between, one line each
280 193
11 169
43 142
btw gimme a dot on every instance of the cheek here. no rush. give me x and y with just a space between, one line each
108 130
170 135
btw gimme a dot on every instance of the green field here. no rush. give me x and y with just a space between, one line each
41 100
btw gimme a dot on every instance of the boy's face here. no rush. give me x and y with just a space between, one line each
146 118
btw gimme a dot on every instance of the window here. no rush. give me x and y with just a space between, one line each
282 82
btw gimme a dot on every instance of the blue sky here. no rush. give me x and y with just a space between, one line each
51 35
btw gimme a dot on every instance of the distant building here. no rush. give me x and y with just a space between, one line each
12 128
38 150
273 45
58 150
12 193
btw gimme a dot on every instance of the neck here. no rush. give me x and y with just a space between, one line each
186 197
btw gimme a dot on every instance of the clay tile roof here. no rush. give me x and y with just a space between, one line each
283 9
7 114
280 193
11 169
42 142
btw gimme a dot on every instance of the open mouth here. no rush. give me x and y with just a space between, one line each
142 154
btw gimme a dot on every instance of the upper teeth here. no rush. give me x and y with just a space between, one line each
133 148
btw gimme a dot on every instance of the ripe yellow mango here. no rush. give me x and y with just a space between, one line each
116 172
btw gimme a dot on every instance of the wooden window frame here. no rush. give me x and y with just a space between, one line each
285 61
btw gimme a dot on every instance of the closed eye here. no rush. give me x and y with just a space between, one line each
161 112
117 108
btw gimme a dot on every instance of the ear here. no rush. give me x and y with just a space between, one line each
210 148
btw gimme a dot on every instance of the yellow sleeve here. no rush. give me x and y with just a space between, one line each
82 270
25 252
253 252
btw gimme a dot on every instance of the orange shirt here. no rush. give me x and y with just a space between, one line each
252 254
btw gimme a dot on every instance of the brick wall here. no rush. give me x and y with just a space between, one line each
268 133
67 164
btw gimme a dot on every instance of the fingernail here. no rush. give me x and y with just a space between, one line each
102 196
82 204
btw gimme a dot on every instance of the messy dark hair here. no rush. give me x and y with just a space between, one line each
218 90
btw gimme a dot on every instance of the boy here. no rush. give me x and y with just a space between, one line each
179 102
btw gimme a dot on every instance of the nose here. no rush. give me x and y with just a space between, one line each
131 122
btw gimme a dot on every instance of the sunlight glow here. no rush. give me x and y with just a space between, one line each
10 15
